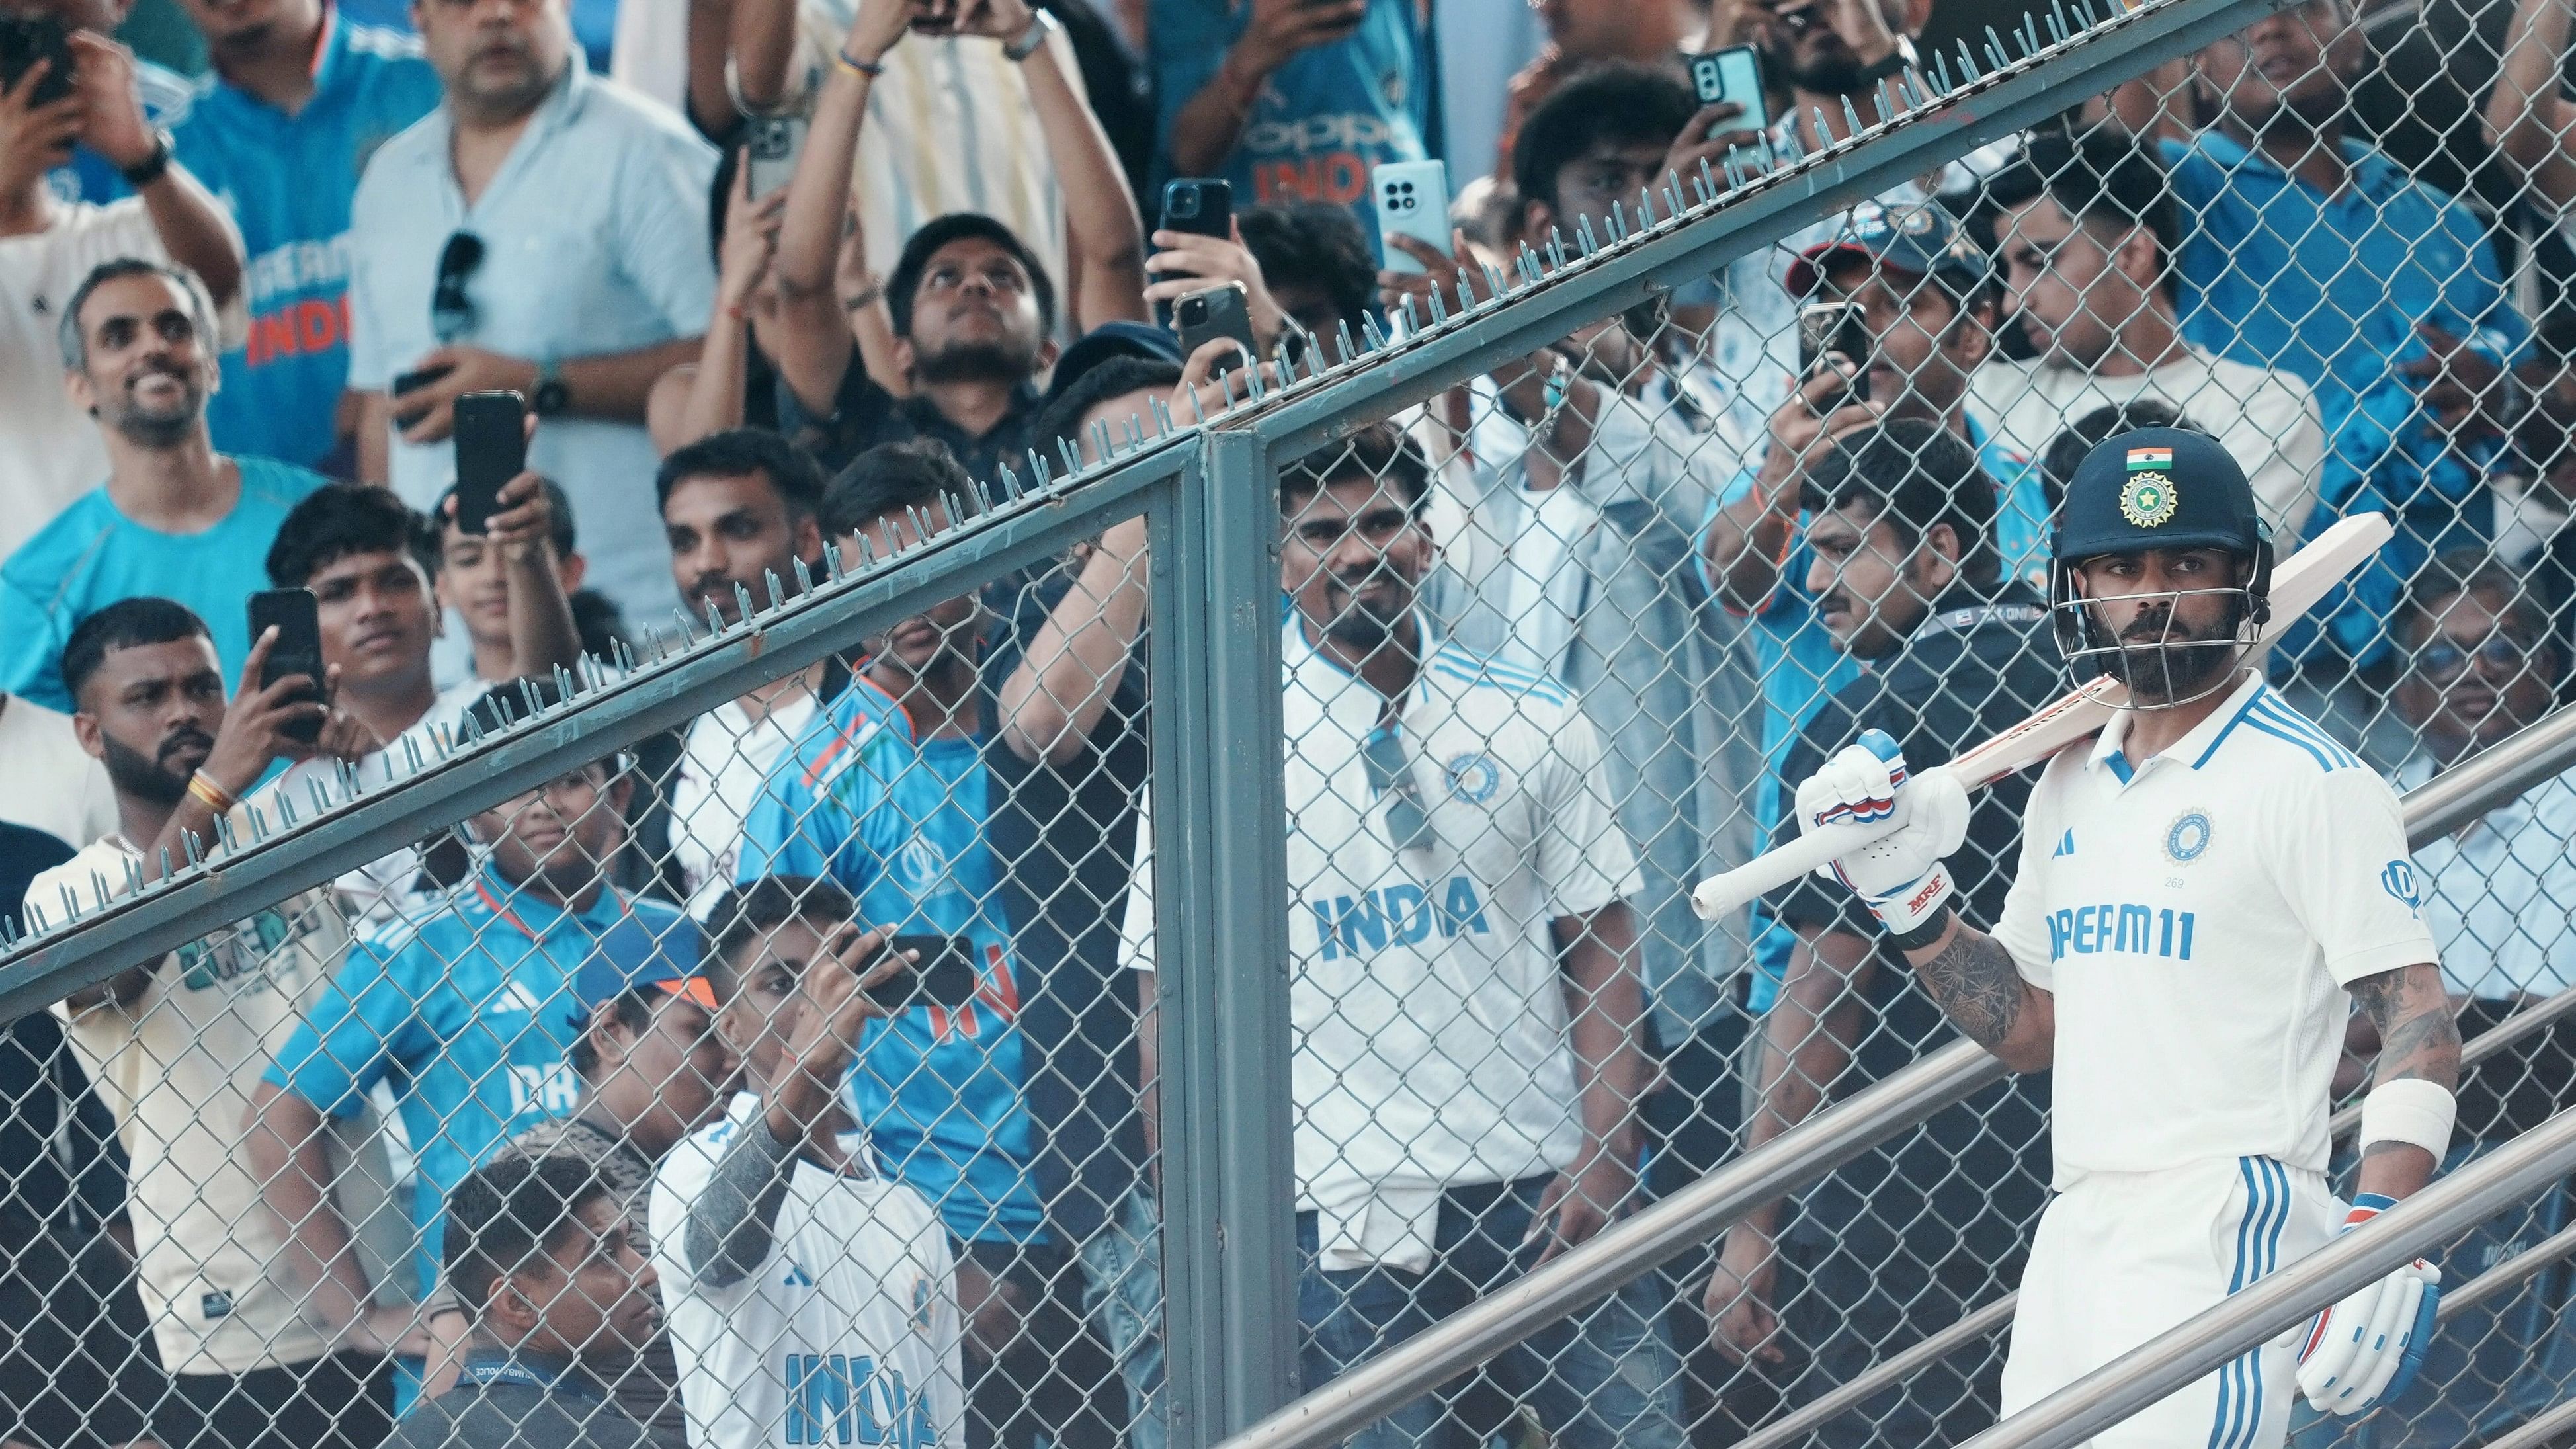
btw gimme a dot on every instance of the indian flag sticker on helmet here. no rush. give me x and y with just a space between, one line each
2147 498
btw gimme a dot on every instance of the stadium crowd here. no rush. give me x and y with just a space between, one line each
605 1118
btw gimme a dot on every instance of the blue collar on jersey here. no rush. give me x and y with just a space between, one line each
546 1373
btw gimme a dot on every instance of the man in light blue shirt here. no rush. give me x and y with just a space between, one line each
299 99
175 518
541 232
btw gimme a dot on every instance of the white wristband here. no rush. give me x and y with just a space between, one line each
2412 1111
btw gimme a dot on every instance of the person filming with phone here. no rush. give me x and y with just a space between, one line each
174 518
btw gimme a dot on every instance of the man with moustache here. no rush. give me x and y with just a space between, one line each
175 518
175 1047
1899 1244
542 233
2201 896
1468 1062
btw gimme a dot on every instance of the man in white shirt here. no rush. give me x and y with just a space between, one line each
175 1047
1465 992
50 451
51 785
809 1299
2198 891
544 233
740 511
2087 232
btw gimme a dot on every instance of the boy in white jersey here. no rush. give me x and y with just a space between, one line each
809 1300
2198 889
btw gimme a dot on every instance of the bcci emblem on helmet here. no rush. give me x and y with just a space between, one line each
2147 498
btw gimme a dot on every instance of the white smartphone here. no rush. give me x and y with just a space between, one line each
1733 74
1412 200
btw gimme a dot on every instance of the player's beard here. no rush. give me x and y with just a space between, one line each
2165 662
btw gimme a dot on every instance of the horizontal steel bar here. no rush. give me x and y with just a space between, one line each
2508 1275
1655 1236
2541 1433
2462 793
2273 1305
657 696
1656 260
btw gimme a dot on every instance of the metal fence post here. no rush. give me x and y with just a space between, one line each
1220 829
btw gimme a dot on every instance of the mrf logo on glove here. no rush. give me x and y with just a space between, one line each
1900 824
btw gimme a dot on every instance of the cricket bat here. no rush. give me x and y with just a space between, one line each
2298 582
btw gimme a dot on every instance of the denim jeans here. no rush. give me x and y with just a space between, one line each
1122 1269
1606 1377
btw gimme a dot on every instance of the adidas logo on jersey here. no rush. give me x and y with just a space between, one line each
796 1277
2065 847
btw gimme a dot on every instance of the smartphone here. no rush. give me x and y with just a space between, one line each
491 449
1835 327
1412 200
1219 311
298 649
770 153
1199 205
26 39
944 975
1733 74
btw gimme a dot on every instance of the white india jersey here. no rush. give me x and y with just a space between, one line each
2197 920
846 1334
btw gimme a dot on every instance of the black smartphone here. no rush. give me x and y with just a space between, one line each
410 382
1839 328
769 155
1201 206
491 449
1220 311
944 975
298 650
26 39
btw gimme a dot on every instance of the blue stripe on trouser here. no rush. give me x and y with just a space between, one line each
2258 1252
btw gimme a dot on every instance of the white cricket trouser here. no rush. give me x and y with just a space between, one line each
2122 1256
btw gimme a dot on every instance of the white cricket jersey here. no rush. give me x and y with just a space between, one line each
846 1334
1427 999
2197 920
723 765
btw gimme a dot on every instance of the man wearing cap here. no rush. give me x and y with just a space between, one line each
2198 890
1923 299
652 1070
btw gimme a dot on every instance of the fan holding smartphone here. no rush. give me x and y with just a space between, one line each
1206 284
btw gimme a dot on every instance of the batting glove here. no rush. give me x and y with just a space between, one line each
1899 875
2364 1351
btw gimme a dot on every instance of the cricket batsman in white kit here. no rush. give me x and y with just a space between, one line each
2199 889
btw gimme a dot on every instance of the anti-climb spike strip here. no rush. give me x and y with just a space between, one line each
742 607
1995 51
1253 391
1010 481
920 529
2028 35
2084 12
1618 221
1706 181
1372 335
285 807
133 876
1583 235
1555 249
320 794
195 855
1135 432
2056 19
1735 174
1072 459
1225 385
565 684
1941 72
1494 283
1673 194
1342 339
1198 413
1101 440
165 868
71 905
1851 115
1163 427
224 832
1439 309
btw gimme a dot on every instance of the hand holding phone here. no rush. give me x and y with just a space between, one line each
295 653
769 156
1827 330
1412 200
1204 316
491 449
940 972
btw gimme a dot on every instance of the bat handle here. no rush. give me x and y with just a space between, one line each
1767 872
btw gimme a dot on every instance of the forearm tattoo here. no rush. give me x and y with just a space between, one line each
734 1221
1978 986
2418 1036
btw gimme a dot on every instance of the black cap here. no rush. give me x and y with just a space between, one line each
2157 488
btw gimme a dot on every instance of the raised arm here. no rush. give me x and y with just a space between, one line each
1747 542
1073 664
2528 117
543 637
811 340
1204 133
193 227
1099 212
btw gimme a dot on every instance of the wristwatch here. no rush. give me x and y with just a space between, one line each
1895 62
553 394
151 168
1041 25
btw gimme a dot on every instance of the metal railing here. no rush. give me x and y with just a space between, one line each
1834 1136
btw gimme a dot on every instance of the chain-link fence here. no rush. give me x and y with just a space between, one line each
553 1065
